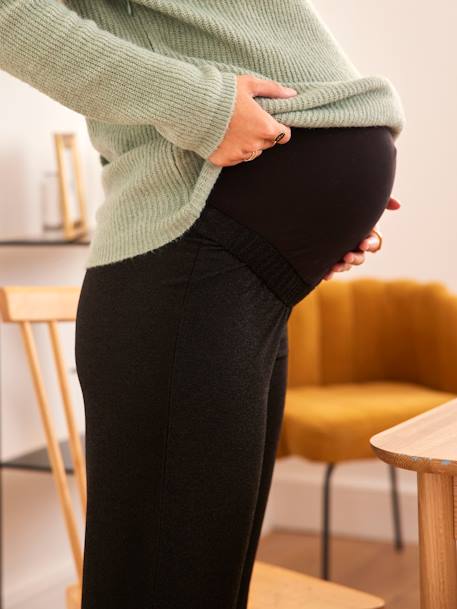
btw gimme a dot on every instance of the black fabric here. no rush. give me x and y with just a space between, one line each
260 254
314 198
181 354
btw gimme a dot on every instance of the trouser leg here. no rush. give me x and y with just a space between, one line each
219 421
175 352
275 411
127 324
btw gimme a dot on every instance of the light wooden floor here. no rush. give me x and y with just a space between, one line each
369 566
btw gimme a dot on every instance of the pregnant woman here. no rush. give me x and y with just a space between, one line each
228 198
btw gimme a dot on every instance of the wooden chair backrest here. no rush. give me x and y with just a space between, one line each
26 305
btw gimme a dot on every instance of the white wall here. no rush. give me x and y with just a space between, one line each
408 41
414 44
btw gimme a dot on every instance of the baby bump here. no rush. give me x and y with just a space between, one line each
314 198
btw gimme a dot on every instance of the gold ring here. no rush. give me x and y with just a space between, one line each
253 155
380 241
279 137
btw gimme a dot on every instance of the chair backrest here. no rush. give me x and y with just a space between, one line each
373 329
25 305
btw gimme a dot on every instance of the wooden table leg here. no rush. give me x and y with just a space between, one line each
437 549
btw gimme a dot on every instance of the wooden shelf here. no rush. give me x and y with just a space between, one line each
37 460
46 239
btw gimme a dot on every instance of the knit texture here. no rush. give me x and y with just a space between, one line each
156 82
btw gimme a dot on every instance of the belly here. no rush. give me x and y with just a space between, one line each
314 198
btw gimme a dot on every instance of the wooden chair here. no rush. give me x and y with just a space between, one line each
26 305
364 355
427 445
272 587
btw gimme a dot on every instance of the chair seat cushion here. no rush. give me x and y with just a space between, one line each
335 422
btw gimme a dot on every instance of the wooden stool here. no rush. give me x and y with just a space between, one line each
274 587
427 444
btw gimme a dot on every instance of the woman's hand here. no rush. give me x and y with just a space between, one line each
369 244
251 127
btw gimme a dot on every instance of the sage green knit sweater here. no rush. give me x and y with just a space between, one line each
156 82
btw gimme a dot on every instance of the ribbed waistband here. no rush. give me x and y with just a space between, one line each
259 253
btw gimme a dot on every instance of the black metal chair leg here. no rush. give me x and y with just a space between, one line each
325 554
398 541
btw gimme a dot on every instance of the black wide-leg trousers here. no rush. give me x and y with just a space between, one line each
181 355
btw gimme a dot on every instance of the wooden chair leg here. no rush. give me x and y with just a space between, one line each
73 596
73 437
437 551
396 515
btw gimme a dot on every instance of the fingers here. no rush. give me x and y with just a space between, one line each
393 203
370 243
247 155
274 129
339 267
354 258
347 262
280 128
251 129
269 88
269 143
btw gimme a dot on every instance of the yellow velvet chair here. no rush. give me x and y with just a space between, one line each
364 355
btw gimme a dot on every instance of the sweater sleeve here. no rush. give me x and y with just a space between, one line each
108 78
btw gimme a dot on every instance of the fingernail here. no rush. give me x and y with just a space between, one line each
291 91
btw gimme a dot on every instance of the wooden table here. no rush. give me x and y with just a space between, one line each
427 444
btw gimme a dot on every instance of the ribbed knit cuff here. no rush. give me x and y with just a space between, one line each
217 115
